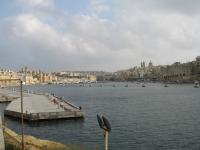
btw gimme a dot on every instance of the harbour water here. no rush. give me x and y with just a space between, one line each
142 118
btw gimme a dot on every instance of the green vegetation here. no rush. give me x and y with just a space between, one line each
10 147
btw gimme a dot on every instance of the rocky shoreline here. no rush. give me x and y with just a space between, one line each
32 143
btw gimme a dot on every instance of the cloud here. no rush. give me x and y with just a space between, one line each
168 6
159 30
181 6
98 6
37 3
35 33
50 38
34 41
39 43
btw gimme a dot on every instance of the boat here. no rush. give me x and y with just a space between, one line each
196 84
165 85
143 85
126 85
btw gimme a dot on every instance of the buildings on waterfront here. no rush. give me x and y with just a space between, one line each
177 72
75 77
30 77
35 77
181 72
7 76
150 72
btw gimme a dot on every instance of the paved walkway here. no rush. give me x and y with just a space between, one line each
2 146
42 106
34 103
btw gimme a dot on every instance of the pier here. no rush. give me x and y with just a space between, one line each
43 107
2 144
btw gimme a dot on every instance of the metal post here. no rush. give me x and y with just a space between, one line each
105 125
22 116
106 139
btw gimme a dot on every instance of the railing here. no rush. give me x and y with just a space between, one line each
72 105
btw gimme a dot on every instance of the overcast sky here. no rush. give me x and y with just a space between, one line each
104 35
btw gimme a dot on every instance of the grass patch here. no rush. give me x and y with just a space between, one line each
11 147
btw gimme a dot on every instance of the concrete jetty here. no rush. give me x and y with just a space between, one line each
43 107
2 144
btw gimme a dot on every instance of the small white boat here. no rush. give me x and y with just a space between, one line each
81 85
165 85
143 85
196 84
126 85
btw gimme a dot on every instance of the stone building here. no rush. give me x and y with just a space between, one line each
7 78
183 72
45 78
28 79
91 78
143 72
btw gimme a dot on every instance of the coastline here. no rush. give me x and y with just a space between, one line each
13 139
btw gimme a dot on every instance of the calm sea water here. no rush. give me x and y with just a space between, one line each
150 118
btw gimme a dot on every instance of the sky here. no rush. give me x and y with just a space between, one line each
105 35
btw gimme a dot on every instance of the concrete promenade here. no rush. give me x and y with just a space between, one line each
42 107
2 144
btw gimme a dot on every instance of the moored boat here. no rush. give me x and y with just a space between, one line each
143 85
196 84
165 85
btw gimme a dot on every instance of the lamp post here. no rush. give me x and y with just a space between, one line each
105 125
22 116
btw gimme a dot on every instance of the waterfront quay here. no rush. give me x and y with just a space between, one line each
42 107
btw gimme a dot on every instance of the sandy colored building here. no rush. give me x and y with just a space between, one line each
92 78
185 72
6 78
